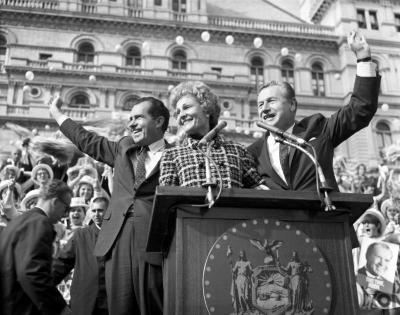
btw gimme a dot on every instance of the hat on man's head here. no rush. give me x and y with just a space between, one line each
87 180
7 168
28 198
78 202
39 167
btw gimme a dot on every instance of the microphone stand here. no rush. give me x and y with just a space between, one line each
210 183
324 186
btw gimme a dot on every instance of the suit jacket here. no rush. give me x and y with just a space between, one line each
88 270
26 283
125 195
324 134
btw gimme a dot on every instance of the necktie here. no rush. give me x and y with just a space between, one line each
284 159
140 170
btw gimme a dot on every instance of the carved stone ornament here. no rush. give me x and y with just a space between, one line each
266 266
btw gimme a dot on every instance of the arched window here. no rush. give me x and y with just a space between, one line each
288 72
3 45
85 53
383 134
317 76
133 57
179 61
129 102
257 70
80 101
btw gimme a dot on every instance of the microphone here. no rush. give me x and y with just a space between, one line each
281 133
212 133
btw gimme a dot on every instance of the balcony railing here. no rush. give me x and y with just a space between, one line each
41 112
273 26
35 4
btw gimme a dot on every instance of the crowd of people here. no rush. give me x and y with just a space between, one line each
100 204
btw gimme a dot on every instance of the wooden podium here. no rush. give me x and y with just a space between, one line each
255 252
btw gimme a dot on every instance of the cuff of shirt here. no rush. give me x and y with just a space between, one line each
61 119
366 69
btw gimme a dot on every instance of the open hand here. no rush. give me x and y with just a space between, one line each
55 103
358 45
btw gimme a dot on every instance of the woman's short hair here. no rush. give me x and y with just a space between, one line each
202 93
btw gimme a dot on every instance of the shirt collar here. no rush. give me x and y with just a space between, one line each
191 142
272 139
157 146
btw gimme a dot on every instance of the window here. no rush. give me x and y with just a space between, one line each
362 23
179 6
80 101
373 20
3 45
130 101
317 79
257 70
158 2
288 72
133 57
179 61
397 21
45 56
384 135
253 109
85 53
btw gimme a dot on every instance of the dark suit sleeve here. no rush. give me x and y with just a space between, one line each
65 262
33 256
357 114
98 147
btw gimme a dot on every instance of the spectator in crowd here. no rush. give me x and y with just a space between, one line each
26 283
88 293
197 112
359 179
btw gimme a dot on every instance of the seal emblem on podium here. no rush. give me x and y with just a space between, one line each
266 266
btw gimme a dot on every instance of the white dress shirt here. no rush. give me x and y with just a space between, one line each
153 156
273 151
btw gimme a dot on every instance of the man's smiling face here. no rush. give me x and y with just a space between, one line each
275 109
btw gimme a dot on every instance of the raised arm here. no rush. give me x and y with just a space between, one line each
98 147
364 100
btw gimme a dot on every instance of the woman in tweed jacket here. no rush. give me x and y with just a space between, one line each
197 112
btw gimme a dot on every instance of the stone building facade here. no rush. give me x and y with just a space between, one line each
102 54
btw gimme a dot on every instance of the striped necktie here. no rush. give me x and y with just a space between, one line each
140 170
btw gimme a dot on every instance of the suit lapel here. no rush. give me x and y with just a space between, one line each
128 148
298 131
266 167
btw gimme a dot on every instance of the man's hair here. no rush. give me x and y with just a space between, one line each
55 189
287 89
157 109
102 199
374 245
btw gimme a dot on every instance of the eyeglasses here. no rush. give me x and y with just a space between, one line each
67 206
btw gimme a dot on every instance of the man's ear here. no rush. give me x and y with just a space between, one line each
160 121
293 105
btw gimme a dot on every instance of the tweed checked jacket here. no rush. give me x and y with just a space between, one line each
185 166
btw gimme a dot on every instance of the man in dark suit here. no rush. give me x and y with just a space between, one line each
26 283
88 292
277 106
133 277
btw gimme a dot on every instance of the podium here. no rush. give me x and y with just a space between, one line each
255 252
